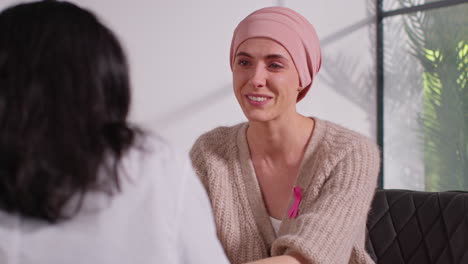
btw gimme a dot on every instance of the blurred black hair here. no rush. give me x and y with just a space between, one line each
64 101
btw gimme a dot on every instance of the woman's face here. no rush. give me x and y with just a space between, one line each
266 82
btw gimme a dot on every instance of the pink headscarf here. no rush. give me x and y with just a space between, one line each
292 31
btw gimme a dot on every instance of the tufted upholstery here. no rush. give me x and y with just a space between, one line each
418 227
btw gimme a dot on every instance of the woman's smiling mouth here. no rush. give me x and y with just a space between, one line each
257 100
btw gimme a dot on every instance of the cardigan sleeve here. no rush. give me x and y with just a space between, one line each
198 163
208 151
325 229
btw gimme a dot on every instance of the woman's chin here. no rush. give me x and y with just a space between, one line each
258 117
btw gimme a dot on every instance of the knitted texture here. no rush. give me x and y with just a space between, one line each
338 177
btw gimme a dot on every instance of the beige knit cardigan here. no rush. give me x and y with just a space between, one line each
338 177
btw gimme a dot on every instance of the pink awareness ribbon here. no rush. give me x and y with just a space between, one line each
293 211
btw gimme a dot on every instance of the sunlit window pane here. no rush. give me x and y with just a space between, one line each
426 100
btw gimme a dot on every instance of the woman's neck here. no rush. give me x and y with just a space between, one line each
280 139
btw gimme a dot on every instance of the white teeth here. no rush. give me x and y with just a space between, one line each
258 99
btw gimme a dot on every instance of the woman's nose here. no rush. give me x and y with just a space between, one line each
258 77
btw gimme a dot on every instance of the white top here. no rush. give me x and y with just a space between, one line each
276 224
162 215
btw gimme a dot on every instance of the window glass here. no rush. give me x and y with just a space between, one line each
426 100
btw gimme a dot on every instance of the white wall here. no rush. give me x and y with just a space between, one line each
178 52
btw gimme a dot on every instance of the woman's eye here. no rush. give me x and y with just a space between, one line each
276 66
243 62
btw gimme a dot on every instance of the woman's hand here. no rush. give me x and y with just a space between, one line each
285 259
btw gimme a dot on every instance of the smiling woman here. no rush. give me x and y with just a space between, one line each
266 82
285 188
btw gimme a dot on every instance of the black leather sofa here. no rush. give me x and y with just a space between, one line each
418 227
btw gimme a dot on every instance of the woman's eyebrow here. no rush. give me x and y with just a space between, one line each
275 56
270 56
243 54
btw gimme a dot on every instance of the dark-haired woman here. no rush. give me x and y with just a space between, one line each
285 188
78 184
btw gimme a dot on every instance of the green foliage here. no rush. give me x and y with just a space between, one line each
439 41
